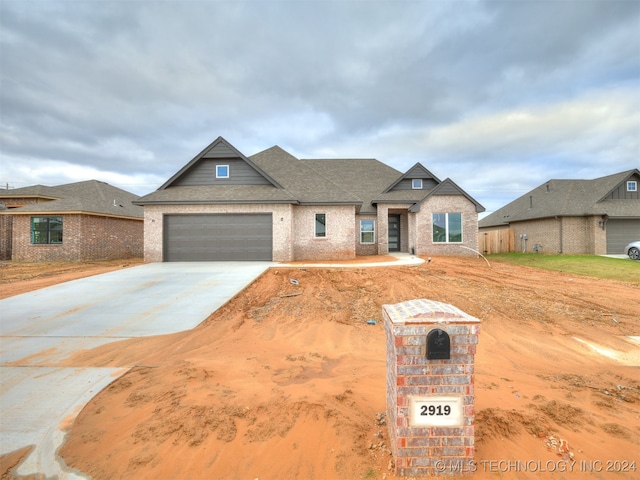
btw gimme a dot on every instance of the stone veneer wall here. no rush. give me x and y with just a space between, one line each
429 451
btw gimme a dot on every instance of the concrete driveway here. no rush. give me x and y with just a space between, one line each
40 328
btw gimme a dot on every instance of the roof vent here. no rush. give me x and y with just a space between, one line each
530 201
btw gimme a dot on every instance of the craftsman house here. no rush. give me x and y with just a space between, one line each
273 206
80 221
598 216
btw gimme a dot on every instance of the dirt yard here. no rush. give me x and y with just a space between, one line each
288 381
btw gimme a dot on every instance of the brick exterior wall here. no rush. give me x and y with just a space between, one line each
567 235
337 245
366 248
84 238
6 222
282 225
6 228
294 229
429 450
424 244
407 230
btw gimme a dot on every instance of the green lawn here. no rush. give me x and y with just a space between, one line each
625 270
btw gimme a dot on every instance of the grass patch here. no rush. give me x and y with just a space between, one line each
622 269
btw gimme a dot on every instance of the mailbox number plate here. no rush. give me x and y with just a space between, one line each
436 411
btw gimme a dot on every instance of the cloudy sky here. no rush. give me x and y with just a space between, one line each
497 95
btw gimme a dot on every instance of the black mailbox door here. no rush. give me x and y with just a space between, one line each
438 345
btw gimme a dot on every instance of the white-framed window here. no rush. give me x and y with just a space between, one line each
222 171
321 225
416 184
367 231
447 227
632 186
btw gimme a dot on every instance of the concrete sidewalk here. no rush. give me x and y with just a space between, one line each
401 259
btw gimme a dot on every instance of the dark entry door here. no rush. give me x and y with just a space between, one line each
394 233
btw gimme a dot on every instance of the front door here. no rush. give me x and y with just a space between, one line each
394 233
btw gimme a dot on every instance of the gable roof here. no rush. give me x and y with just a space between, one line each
219 148
569 198
296 183
447 187
88 197
359 182
417 171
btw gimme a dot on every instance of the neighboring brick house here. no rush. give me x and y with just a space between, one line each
597 217
80 221
272 206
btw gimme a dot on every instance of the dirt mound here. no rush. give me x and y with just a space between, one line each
499 423
288 379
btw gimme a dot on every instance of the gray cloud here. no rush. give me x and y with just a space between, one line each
476 90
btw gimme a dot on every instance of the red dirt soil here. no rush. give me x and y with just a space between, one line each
288 381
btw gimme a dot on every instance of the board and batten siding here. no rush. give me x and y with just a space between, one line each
204 173
220 150
406 184
621 192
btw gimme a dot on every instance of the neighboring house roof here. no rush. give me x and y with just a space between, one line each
276 176
89 197
570 198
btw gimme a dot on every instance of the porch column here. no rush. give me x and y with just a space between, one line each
383 230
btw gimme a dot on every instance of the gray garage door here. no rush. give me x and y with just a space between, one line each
620 233
205 238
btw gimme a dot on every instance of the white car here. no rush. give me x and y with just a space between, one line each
633 250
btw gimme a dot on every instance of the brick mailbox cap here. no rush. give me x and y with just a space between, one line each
426 311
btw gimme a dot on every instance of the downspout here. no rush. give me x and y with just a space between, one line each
560 233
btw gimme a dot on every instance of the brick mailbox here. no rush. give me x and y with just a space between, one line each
431 348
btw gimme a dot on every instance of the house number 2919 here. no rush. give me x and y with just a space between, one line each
435 410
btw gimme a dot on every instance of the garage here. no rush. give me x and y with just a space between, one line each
217 237
621 232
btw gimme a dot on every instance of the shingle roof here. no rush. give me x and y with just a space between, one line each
566 198
219 194
364 178
32 191
91 196
359 182
307 185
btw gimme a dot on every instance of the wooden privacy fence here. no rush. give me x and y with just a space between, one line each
496 241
